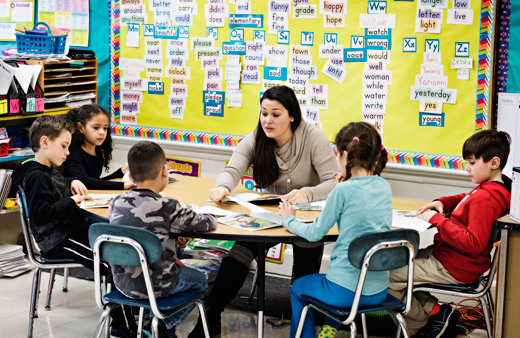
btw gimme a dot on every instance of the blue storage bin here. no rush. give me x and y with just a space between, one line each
40 44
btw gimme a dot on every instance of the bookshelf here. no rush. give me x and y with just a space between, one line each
67 82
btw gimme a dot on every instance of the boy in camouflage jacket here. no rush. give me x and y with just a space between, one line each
144 207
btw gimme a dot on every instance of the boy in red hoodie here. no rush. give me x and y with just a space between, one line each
460 253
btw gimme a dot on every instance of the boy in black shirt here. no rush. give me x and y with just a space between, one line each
59 228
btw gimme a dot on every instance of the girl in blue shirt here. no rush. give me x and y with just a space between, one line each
359 205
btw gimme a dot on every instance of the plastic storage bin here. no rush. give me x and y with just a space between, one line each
40 44
4 148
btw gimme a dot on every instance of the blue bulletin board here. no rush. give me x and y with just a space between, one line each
419 71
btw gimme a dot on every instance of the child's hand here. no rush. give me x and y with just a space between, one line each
296 196
129 185
217 194
124 168
78 188
437 205
79 198
286 208
427 215
338 177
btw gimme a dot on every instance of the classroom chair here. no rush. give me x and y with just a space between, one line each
380 251
131 246
40 263
480 290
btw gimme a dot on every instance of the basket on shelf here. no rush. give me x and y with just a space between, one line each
40 44
4 148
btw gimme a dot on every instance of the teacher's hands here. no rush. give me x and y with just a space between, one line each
286 209
296 196
218 194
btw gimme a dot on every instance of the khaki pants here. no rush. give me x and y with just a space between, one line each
427 270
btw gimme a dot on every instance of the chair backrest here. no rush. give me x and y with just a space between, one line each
121 253
23 208
383 251
386 258
124 245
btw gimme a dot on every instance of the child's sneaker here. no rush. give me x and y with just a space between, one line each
327 331
441 325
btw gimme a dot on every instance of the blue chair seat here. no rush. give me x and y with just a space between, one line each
165 303
52 260
453 287
390 303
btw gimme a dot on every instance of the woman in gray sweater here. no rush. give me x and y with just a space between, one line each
290 157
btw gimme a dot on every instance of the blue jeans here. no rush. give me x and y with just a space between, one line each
189 279
319 287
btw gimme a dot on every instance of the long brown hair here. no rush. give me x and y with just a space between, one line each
265 167
364 147
81 116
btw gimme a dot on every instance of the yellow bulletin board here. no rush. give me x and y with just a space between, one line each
420 71
15 14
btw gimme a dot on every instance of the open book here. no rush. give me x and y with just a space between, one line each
98 201
248 222
258 199
408 220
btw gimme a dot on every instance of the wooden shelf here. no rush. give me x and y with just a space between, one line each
23 117
67 77
69 92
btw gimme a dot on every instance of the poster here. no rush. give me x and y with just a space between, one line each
70 15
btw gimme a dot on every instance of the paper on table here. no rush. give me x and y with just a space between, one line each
406 220
250 206
209 209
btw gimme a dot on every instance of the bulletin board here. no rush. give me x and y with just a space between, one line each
193 71
15 14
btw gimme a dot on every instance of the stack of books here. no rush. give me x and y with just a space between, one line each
205 255
12 261
5 185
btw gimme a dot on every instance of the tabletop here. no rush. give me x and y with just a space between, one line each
195 190
507 223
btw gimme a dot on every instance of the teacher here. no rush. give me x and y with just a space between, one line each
290 157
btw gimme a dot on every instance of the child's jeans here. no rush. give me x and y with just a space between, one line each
189 279
319 287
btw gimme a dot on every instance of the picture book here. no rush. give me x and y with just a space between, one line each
98 201
248 222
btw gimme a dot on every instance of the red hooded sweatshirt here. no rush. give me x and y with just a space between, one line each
462 243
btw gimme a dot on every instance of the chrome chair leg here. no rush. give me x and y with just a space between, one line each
140 325
52 277
485 310
301 321
33 310
102 324
402 325
353 330
155 327
202 315
364 325
65 279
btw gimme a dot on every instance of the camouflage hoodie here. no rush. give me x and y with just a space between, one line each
166 218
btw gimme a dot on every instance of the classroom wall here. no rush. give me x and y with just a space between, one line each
98 42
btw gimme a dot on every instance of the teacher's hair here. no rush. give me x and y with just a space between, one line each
265 167
364 147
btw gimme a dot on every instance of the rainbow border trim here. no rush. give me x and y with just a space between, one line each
398 157
177 135
114 60
426 160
